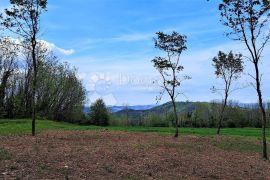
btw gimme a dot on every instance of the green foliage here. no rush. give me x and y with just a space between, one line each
192 114
228 66
154 120
60 94
99 114
118 121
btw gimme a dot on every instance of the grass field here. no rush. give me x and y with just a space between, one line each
18 127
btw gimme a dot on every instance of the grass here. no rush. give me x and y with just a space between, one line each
19 127
239 145
4 154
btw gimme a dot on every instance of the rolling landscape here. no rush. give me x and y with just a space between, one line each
116 89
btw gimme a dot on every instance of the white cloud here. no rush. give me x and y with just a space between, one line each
50 46
57 49
65 52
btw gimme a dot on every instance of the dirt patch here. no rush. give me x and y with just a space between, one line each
122 155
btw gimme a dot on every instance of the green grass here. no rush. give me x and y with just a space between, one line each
4 154
239 146
19 127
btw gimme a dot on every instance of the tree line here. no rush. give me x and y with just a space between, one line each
193 114
59 95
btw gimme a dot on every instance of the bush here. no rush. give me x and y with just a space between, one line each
99 114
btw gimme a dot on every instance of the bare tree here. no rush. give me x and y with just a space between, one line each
247 22
23 19
169 68
228 67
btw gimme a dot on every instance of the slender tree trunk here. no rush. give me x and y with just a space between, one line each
176 119
262 111
127 116
34 87
222 113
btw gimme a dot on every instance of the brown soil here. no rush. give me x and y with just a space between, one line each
122 155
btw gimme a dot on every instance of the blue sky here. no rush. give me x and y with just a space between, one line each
111 44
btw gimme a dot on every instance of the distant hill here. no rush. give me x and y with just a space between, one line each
181 107
138 107
115 109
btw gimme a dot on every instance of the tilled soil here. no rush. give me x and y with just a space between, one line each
122 155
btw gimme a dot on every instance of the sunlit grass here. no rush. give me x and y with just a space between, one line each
19 127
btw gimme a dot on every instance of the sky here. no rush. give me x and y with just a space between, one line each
110 42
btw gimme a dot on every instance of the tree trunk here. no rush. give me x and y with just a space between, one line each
3 87
222 113
262 111
34 87
176 119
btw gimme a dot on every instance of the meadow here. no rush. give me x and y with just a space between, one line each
23 126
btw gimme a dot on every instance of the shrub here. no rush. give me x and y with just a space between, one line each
99 114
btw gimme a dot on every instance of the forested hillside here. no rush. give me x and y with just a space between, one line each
194 114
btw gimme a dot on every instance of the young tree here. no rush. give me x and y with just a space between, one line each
228 67
99 113
23 19
169 68
247 21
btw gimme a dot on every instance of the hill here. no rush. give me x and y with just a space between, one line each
182 107
193 114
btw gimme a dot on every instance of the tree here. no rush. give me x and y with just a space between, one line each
99 114
126 109
8 66
23 19
60 95
247 21
169 68
228 67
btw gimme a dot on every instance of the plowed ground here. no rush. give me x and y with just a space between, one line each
122 155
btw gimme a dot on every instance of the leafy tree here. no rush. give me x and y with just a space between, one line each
23 19
169 68
247 21
228 67
99 114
